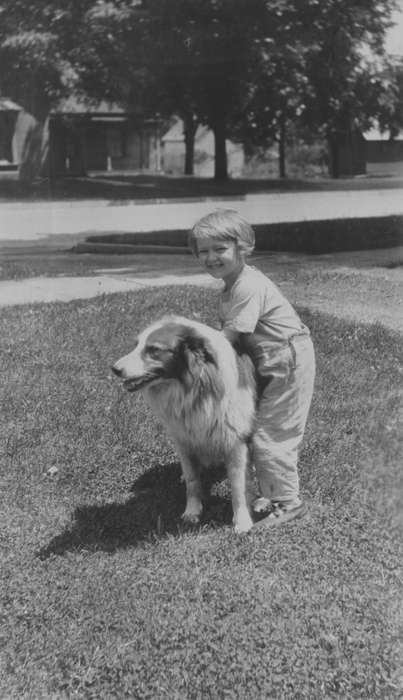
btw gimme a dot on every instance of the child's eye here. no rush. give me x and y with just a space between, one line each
217 250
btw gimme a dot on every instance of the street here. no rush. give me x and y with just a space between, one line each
40 221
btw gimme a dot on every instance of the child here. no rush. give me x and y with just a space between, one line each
254 313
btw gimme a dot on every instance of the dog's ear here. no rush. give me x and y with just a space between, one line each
197 350
201 365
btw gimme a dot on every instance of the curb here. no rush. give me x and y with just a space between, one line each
122 202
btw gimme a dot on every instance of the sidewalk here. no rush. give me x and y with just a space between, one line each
49 289
43 221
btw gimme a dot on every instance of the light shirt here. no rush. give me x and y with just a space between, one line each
254 305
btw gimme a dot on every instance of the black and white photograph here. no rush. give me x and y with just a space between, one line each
201 324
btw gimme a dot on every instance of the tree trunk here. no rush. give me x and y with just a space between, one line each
190 127
221 162
35 154
281 147
334 164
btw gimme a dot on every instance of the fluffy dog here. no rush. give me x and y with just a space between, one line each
204 393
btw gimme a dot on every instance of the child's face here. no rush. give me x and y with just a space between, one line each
220 258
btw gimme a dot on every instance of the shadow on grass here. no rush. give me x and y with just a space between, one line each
142 187
153 511
315 237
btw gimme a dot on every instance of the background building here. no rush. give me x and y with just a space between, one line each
384 155
173 152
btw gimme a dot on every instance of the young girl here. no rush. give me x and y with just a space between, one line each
254 313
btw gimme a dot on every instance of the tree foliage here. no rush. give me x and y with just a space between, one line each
189 57
315 74
388 89
344 35
246 68
34 69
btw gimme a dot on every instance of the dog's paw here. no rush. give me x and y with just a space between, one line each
191 519
243 524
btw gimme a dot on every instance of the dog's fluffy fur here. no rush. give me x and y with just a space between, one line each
204 394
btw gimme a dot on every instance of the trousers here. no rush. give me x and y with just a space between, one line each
281 418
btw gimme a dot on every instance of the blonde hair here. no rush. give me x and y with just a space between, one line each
224 224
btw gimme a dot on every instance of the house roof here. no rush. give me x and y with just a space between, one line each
80 105
176 132
7 105
377 135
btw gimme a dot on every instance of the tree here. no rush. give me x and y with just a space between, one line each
278 82
243 67
120 53
35 73
341 80
388 85
190 57
312 72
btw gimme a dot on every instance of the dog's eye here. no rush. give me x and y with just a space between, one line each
153 350
156 351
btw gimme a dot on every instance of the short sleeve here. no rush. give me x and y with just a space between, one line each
242 312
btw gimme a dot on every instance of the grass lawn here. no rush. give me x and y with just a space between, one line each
33 262
105 596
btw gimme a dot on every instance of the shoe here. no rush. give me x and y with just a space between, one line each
280 513
261 507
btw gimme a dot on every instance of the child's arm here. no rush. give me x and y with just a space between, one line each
231 335
239 341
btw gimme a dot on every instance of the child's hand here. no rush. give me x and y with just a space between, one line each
232 336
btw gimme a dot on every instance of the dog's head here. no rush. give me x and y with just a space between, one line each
168 350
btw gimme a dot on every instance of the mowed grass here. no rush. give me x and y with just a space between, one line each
105 595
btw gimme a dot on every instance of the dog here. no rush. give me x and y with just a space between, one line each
204 393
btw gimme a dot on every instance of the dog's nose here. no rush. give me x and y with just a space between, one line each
116 371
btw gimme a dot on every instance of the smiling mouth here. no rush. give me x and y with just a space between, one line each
137 383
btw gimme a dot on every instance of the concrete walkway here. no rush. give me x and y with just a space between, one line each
48 289
42 220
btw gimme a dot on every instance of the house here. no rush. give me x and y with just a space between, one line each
173 152
9 156
384 155
347 154
370 153
79 137
86 137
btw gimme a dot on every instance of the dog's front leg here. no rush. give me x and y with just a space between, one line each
194 491
237 466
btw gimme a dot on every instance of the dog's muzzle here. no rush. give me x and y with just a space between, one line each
134 383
